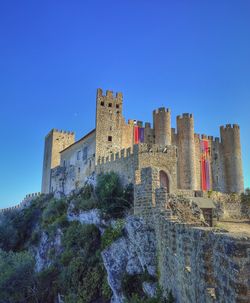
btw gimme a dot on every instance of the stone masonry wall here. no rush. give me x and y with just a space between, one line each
198 264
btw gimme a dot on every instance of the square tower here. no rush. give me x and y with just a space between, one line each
55 142
109 123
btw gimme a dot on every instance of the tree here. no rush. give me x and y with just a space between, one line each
17 277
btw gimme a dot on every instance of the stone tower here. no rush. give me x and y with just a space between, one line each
230 139
55 142
109 123
162 126
186 152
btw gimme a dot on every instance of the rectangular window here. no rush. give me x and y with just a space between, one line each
78 155
102 103
110 138
85 153
110 104
117 105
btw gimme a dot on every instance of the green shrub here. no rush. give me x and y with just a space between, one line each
82 275
17 277
112 233
106 290
108 186
54 210
113 200
245 197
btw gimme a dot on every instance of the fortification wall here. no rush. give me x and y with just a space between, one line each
25 202
128 161
122 163
198 264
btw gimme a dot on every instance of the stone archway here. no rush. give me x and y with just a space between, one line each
164 180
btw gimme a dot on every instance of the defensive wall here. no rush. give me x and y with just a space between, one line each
198 264
25 202
128 161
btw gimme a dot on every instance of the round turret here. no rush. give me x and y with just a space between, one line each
230 138
162 126
186 151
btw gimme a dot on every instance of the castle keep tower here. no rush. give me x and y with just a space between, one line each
230 138
186 152
109 123
162 126
55 142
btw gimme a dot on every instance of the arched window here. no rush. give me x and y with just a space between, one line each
164 180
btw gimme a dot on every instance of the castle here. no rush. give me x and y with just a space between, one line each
184 159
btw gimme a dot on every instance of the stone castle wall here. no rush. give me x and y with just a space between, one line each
198 264
25 202
128 161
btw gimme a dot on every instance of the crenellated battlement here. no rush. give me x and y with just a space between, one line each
121 155
161 110
185 116
25 202
60 131
137 149
229 127
109 94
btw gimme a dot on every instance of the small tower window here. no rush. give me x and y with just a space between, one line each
110 138
110 104
79 170
102 103
117 106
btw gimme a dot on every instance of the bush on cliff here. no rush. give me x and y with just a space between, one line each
245 197
17 283
82 276
114 201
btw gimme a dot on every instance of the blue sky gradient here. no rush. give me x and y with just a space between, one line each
191 56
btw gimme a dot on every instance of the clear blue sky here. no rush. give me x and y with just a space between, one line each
192 56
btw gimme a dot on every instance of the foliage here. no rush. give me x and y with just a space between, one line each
132 286
113 200
158 299
55 211
108 186
82 276
112 233
85 200
17 282
245 197
77 273
47 284
16 226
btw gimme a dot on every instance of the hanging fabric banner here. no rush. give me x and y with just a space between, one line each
205 164
141 135
136 134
